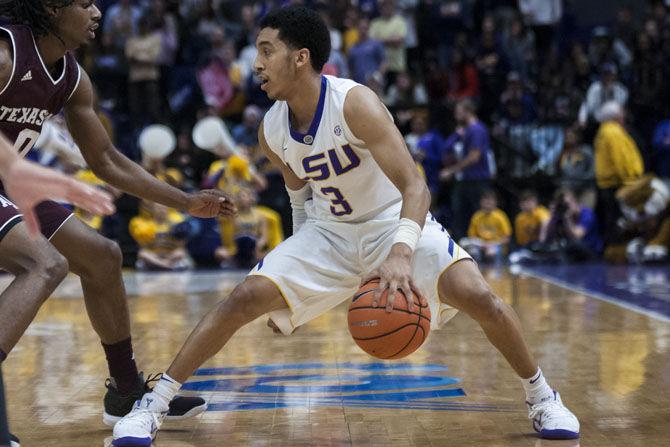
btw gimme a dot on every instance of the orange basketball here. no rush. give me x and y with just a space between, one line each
387 335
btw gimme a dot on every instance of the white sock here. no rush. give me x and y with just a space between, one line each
536 388
162 394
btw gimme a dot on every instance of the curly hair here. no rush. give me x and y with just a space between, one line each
300 27
32 13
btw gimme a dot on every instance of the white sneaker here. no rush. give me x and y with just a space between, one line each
139 427
552 419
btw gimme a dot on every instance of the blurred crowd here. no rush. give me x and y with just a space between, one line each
509 107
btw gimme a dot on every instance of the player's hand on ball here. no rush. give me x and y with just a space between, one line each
211 203
395 273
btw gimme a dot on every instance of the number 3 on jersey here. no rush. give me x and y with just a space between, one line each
340 206
25 141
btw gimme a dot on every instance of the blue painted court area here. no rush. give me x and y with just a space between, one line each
643 289
361 385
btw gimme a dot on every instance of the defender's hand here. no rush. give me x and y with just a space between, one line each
46 184
395 273
211 203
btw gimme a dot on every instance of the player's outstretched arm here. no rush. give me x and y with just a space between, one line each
28 184
116 169
370 122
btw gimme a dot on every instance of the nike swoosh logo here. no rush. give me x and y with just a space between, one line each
533 381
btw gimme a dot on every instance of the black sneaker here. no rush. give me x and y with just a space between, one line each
13 441
118 405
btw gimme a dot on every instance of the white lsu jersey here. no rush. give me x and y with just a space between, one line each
347 183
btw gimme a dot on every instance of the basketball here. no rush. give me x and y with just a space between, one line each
387 335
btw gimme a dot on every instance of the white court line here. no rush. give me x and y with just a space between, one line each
597 295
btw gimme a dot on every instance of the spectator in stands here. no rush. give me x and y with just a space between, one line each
517 106
168 28
336 65
121 21
189 160
244 237
220 78
660 158
233 170
161 234
625 28
406 93
543 16
391 30
428 150
246 133
143 53
489 231
572 232
617 162
367 56
529 223
350 36
519 47
474 167
575 164
606 89
492 68
462 78
607 49
648 86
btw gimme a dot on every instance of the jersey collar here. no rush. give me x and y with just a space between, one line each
308 138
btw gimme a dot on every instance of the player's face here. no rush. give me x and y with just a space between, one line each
76 24
273 64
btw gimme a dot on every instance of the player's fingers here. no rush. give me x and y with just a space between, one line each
393 288
409 296
418 293
369 277
376 298
92 200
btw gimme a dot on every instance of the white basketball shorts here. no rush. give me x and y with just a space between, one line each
322 265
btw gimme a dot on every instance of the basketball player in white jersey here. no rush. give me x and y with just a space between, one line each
360 210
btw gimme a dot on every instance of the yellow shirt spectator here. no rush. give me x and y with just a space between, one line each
233 170
154 234
490 226
387 30
617 158
251 223
527 225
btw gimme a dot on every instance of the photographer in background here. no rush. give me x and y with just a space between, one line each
572 232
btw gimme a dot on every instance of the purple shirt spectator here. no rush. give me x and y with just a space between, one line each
431 148
660 159
476 137
367 56
364 59
591 239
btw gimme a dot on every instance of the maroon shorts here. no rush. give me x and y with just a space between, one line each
50 214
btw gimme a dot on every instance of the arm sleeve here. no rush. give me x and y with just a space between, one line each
298 199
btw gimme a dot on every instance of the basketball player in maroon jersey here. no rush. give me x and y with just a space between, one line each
29 184
39 77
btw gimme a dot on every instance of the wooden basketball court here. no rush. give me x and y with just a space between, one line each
316 388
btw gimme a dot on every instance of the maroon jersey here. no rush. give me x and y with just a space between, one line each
32 94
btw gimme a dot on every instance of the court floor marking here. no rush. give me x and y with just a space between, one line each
591 293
